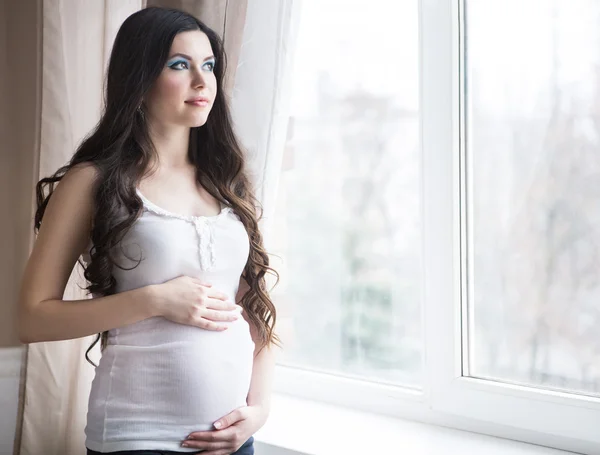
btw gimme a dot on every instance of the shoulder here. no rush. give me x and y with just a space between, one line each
81 175
76 187
73 196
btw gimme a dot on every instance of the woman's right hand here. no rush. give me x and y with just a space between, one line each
190 301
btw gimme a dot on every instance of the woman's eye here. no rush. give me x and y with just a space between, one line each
211 65
176 64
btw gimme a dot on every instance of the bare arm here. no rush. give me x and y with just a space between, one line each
54 319
265 358
261 384
63 236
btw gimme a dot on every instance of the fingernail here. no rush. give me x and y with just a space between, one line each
217 425
183 444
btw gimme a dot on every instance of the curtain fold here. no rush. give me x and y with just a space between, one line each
76 40
262 93
261 113
20 86
72 44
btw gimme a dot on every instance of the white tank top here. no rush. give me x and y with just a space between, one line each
158 381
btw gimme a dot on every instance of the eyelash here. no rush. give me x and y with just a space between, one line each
211 63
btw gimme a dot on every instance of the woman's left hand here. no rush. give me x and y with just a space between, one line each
231 431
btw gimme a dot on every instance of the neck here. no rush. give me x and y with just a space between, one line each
171 143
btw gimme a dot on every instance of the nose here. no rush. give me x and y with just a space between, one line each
198 79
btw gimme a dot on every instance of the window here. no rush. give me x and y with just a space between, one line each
533 125
348 214
438 215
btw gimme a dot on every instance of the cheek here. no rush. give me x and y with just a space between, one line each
170 90
213 85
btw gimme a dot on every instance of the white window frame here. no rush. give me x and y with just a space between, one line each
554 419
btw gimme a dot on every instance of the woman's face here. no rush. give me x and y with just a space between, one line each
188 74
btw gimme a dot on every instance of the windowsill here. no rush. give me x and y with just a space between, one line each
313 428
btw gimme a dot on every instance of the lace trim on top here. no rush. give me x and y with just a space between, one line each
202 224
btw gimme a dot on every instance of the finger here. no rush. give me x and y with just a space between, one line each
202 282
218 436
210 325
234 416
223 305
216 315
213 293
193 443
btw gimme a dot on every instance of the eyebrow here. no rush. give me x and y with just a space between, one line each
190 58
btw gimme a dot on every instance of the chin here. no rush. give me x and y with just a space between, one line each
198 122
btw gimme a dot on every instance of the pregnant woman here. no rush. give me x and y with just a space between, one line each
157 203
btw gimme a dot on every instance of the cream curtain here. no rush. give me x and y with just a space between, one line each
75 44
261 96
20 80
55 56
20 87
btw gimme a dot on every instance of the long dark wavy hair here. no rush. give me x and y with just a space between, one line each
121 150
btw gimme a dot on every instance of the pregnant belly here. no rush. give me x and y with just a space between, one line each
159 374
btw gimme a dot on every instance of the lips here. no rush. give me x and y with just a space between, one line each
198 103
197 99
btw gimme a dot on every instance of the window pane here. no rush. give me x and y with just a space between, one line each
347 220
534 127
